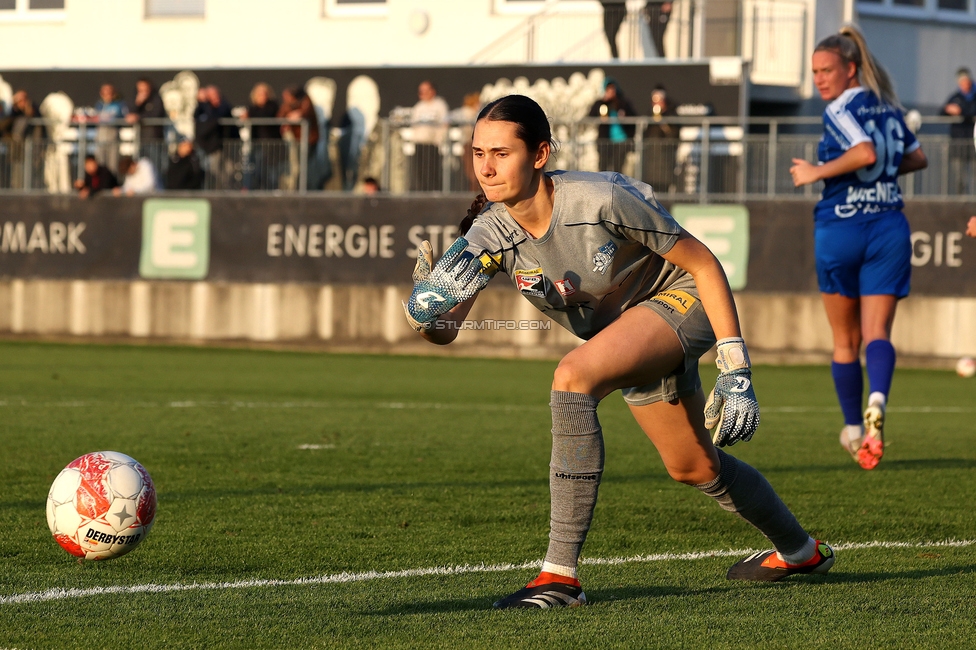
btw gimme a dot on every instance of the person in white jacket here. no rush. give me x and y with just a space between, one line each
139 176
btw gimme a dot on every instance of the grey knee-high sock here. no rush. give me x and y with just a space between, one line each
741 489
574 475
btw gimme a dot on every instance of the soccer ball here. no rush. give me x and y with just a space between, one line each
966 367
101 505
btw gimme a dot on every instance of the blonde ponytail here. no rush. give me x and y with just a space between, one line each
850 46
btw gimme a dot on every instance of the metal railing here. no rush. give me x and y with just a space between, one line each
51 156
687 159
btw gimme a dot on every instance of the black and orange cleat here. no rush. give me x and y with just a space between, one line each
768 566
547 591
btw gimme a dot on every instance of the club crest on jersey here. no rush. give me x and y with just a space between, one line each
565 287
530 282
603 257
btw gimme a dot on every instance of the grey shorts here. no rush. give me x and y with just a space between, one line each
682 310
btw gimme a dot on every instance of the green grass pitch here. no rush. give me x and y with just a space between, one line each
279 466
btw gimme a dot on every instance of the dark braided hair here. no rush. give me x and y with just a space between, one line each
477 206
531 127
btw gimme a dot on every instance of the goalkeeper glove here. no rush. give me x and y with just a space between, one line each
437 289
732 410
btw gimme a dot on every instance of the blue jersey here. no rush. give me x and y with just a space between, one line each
858 116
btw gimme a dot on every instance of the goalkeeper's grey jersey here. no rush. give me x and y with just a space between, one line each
601 254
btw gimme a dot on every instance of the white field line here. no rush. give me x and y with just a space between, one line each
466 406
345 578
236 404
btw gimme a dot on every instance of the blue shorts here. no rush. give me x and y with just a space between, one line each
865 258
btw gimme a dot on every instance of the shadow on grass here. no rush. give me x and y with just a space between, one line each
640 592
879 576
602 596
653 481
908 464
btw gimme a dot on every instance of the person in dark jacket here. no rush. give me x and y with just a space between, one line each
297 105
147 104
962 104
15 129
184 172
210 134
97 178
614 13
615 139
266 148
658 14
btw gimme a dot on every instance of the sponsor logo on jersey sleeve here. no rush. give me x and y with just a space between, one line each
676 301
603 257
489 263
530 282
565 287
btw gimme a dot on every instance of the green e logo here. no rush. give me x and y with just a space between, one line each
175 239
724 229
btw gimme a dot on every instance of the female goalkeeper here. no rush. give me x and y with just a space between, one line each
862 239
598 254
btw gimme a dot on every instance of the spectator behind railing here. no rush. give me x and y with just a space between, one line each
109 108
184 171
429 129
614 12
659 154
210 135
615 139
147 104
263 168
296 105
16 129
962 103
97 178
138 177
372 186
658 15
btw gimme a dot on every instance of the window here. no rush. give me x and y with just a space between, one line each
951 11
354 7
32 10
175 8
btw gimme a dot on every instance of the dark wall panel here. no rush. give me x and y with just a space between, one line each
363 240
686 83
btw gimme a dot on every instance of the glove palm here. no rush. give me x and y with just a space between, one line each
437 289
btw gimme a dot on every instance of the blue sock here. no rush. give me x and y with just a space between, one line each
849 383
880 358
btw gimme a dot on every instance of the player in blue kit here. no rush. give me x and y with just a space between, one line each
862 238
598 254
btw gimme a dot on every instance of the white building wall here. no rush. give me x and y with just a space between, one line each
114 34
921 56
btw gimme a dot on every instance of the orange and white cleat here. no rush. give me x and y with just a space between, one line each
872 446
768 566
